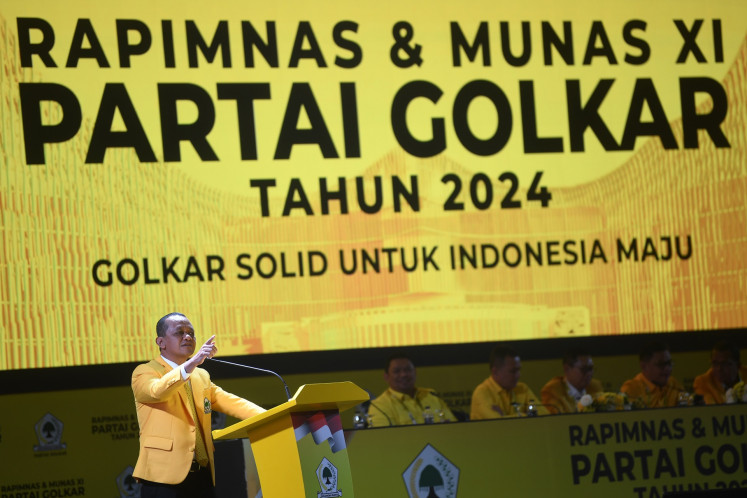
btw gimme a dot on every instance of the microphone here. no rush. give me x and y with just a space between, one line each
287 392
532 409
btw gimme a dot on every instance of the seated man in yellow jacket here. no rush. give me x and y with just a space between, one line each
174 400
501 394
654 386
561 394
724 373
403 403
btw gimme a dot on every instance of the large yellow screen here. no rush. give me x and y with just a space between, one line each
311 176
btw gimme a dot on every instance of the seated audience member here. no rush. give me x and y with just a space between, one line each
654 386
724 373
403 403
561 394
501 394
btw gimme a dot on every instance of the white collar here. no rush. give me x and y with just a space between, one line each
170 363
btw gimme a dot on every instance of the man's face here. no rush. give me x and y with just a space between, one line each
658 369
725 369
579 374
507 375
401 375
178 344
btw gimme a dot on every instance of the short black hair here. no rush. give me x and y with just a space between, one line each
728 347
651 348
572 355
396 356
161 325
499 354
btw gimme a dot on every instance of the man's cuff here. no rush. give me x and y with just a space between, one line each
184 373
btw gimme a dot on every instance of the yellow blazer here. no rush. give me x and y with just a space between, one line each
653 396
167 427
557 399
713 392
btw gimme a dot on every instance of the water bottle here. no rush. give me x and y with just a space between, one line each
428 416
531 409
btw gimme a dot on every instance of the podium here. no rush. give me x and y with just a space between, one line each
299 446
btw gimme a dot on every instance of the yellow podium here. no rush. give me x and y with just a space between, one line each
290 464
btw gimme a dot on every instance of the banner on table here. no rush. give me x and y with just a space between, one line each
641 454
313 177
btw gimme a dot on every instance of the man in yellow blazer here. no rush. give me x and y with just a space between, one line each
501 394
726 370
174 400
404 403
561 394
654 386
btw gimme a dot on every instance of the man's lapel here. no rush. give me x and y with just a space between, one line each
166 368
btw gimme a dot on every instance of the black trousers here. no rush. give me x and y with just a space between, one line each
197 484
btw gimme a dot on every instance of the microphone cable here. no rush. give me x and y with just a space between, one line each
287 391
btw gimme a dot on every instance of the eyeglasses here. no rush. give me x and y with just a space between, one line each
722 364
586 368
664 364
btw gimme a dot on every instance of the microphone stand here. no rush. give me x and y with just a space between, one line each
287 391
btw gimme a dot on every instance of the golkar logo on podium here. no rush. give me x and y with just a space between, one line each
326 473
431 475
